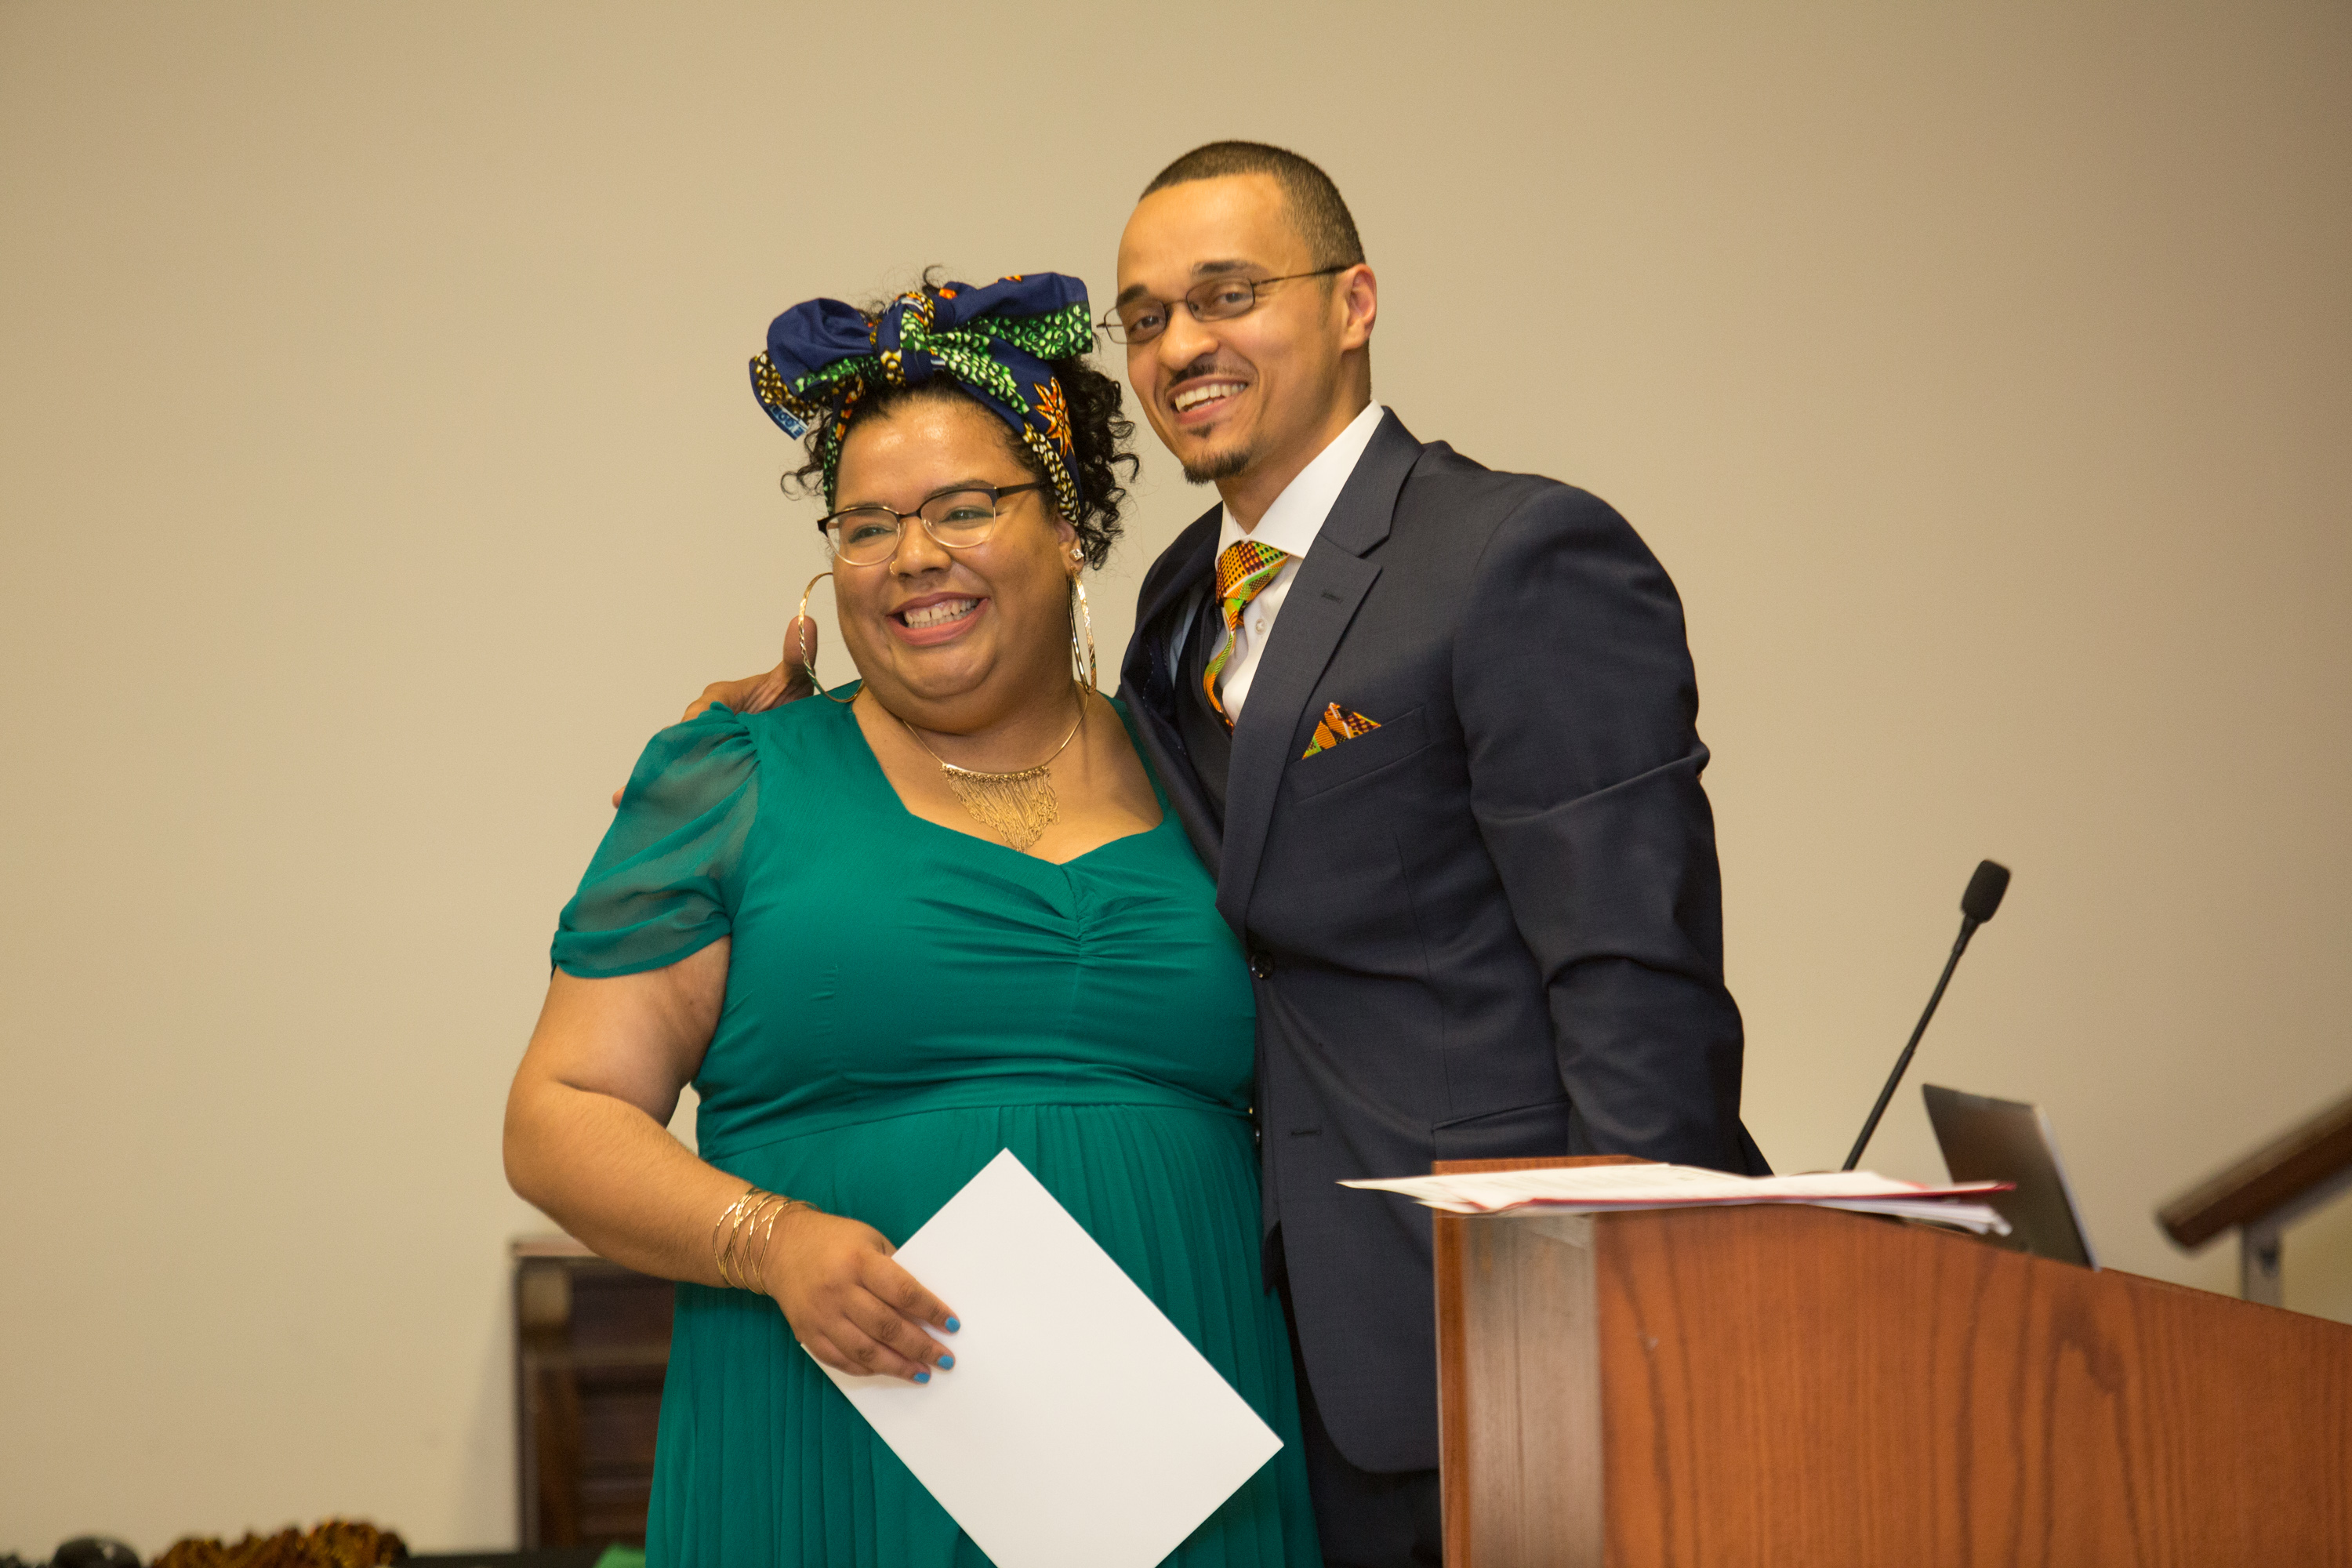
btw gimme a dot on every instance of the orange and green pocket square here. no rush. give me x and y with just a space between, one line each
1337 724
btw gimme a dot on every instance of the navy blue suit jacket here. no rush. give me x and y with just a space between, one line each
1490 926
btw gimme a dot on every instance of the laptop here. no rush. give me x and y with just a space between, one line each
1988 1140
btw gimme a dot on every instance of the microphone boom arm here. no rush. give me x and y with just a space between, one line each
1903 1063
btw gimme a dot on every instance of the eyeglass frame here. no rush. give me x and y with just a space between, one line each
995 493
1111 327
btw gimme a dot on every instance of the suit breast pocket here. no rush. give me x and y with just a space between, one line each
1392 742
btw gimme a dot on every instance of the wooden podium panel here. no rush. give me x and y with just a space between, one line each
1768 1385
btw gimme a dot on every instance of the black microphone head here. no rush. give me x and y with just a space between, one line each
1985 890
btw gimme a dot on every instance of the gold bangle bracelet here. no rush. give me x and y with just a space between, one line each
751 1219
767 1232
738 1242
731 1212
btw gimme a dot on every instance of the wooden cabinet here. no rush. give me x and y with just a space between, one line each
592 1342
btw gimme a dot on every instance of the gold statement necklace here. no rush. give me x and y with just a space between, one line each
1016 807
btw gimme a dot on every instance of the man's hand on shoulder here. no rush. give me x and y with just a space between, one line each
788 682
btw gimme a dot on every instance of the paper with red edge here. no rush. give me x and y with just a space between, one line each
1603 1189
1079 1428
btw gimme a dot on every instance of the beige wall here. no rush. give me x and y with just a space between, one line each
377 470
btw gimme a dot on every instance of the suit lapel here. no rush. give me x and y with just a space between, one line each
1148 684
1188 560
1331 582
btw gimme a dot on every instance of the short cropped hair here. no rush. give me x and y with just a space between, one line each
1321 218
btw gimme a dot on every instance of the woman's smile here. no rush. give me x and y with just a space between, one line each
962 637
935 618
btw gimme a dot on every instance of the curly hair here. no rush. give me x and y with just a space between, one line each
1098 430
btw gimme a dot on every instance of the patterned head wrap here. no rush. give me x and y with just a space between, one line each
824 356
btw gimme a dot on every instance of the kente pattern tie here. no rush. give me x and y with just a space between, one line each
1244 569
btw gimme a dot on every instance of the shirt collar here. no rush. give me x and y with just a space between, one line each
1297 514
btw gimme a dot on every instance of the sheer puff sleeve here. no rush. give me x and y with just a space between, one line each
662 884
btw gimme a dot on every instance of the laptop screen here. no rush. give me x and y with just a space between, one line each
1988 1140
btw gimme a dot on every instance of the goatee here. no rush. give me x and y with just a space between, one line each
1218 466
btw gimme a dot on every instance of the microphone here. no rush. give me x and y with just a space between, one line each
1976 906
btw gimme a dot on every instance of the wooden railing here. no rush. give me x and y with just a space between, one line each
2263 1194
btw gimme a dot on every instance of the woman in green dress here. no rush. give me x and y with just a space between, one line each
888 935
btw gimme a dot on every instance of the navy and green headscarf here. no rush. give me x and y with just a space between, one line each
823 356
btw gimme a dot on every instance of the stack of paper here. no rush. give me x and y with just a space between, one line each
1605 1189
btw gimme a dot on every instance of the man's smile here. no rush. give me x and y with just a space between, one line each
1204 395
1193 398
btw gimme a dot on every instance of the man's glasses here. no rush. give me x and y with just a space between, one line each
1220 299
958 519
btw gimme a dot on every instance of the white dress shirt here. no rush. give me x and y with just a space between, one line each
1289 525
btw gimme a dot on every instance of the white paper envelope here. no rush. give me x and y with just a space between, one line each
1079 1428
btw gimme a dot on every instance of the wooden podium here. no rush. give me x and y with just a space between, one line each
1767 1385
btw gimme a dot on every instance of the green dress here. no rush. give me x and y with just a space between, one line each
903 1002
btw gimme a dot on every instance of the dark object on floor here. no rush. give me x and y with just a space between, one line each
546 1557
94 1552
337 1543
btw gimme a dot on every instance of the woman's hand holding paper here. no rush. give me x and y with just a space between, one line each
849 1305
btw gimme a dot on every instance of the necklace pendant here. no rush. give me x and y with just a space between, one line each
1016 807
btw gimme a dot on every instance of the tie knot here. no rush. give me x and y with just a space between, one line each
1244 568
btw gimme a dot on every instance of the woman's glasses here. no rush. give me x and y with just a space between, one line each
958 519
1219 300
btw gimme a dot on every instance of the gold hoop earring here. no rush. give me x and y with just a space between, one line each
808 663
1083 671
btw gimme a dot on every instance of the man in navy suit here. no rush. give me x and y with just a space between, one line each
1433 726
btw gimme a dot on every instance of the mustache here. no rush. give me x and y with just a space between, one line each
1208 364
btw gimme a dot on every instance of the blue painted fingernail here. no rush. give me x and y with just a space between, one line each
945 1362
953 1324
922 1377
